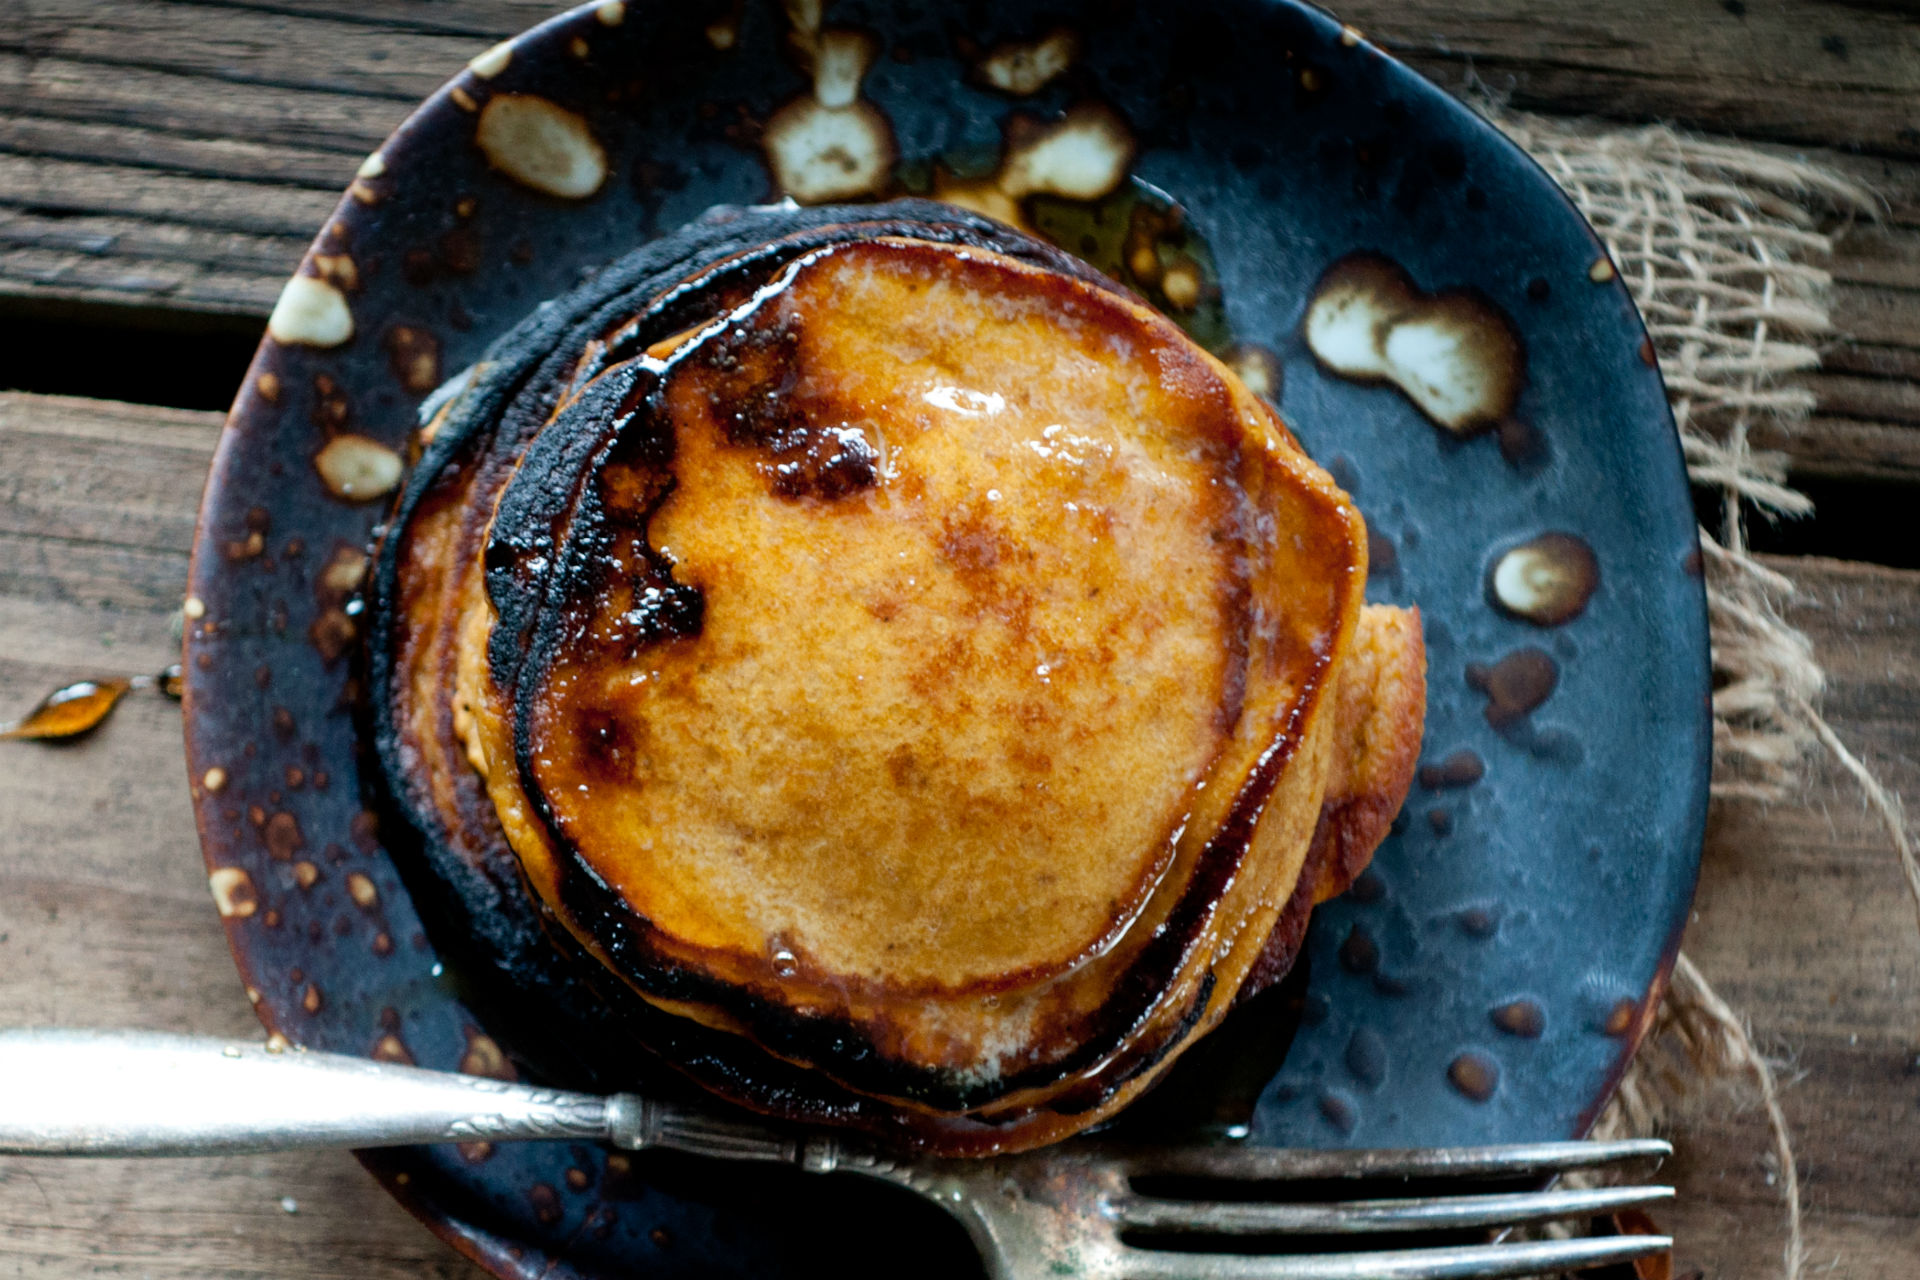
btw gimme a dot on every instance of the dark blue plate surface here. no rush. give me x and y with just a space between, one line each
1487 980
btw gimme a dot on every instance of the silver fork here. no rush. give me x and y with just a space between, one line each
1072 1210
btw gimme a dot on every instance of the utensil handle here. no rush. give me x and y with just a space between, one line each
140 1093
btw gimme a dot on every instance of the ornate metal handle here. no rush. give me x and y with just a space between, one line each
137 1093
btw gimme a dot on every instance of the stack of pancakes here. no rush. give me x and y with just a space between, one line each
870 661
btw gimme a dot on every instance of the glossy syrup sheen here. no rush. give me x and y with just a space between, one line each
1284 549
925 530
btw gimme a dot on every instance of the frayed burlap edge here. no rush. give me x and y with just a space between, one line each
1720 245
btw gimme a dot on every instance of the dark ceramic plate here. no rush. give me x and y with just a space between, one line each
1487 980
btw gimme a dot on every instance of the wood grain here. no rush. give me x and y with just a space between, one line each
104 918
104 914
180 155
1819 72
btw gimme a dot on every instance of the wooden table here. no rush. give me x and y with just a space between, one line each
162 166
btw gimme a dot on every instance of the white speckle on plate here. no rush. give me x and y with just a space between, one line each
310 313
1082 156
541 145
491 63
356 468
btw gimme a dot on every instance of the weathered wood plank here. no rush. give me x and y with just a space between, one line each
104 473
247 44
104 921
1804 924
1848 449
1818 72
104 917
186 104
180 155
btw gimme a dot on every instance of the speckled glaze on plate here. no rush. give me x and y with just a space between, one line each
1438 326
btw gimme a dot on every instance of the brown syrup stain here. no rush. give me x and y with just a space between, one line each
332 634
1620 1018
546 1204
1523 1018
1153 258
1514 685
1259 368
1461 768
1366 1057
1359 953
1478 923
1474 1075
413 353
255 539
1143 238
1337 1111
331 410
283 836
1383 559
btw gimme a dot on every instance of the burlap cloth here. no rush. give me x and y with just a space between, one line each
1722 247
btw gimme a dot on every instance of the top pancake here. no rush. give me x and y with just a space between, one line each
968 538
864 655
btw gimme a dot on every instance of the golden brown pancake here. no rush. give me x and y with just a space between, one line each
903 672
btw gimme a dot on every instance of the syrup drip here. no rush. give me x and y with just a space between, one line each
81 707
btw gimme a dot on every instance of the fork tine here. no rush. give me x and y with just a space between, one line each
1276 1164
1430 1213
1468 1262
